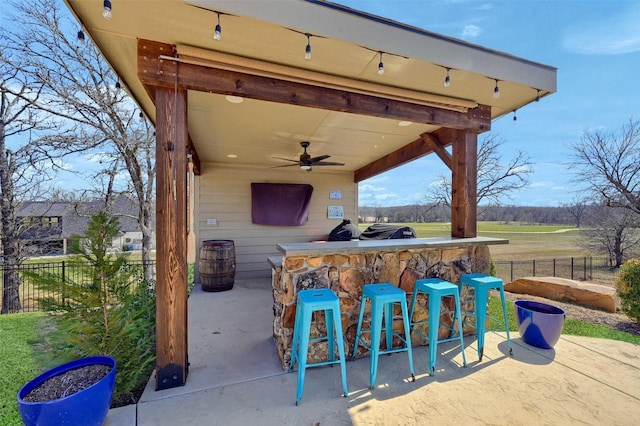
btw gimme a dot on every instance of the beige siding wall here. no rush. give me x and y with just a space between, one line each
223 193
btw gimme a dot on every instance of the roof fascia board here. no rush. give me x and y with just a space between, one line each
339 22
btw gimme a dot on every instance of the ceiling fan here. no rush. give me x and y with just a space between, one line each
306 161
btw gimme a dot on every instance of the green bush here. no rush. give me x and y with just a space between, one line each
493 271
628 286
108 311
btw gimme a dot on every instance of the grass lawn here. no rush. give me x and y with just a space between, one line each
526 241
17 333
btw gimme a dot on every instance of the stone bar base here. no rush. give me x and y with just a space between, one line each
347 273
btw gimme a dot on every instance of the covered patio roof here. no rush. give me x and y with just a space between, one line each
189 85
268 39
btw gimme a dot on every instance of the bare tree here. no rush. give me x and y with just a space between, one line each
82 88
577 209
609 164
25 164
613 231
496 180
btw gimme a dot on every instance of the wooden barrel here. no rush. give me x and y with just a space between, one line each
217 265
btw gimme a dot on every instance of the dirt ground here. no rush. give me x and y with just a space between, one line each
616 321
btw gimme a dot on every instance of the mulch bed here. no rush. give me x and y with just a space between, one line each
67 383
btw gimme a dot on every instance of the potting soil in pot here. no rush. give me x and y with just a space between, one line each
68 383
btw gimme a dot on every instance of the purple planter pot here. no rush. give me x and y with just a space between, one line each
87 407
539 324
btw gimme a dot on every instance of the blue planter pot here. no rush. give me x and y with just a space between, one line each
85 408
539 324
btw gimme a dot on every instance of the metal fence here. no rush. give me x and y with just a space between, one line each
586 268
30 293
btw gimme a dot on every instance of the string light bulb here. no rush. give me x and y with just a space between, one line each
496 90
538 95
307 51
515 117
380 65
217 34
81 35
447 79
118 85
106 12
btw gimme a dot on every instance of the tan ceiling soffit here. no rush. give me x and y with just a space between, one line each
204 57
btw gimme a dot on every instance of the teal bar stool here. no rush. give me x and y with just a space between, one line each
383 297
310 301
436 289
481 284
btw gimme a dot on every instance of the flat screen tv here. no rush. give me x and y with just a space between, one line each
280 204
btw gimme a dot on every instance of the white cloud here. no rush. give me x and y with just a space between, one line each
615 35
370 188
471 31
56 163
387 196
485 6
549 185
541 184
376 179
98 157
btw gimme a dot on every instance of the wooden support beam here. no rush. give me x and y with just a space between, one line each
424 145
171 224
156 65
464 181
433 142
407 153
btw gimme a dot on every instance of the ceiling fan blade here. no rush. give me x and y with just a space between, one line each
286 159
285 165
328 163
318 158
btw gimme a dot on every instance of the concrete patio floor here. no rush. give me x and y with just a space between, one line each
235 378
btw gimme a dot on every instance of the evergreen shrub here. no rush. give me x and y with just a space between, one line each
628 287
106 310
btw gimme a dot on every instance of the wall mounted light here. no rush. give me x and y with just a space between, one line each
217 33
380 65
106 11
496 90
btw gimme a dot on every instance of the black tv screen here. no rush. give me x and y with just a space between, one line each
280 204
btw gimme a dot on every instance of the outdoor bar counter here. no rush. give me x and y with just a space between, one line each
346 266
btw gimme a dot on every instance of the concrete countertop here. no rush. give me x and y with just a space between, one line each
356 246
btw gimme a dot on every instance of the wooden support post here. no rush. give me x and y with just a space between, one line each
464 184
171 223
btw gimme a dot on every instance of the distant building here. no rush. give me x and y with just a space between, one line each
49 226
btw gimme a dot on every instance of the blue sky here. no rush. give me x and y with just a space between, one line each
595 44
